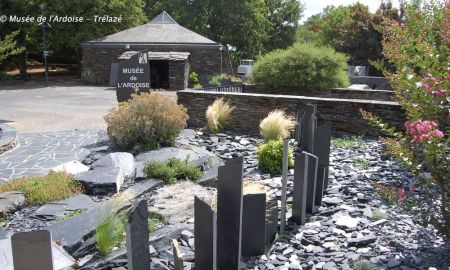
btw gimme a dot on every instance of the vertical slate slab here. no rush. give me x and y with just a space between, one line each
320 182
308 125
32 250
300 188
271 221
322 142
138 253
205 232
178 263
311 185
253 224
229 214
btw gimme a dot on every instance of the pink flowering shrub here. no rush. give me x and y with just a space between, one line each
419 50
423 130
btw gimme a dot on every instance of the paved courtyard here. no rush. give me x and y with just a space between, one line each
65 105
38 153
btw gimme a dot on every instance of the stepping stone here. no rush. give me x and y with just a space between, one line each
11 201
54 210
122 160
73 231
101 181
72 167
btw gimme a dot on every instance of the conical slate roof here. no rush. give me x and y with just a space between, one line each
160 30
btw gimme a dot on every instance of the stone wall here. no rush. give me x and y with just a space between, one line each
373 82
251 108
204 61
372 94
177 75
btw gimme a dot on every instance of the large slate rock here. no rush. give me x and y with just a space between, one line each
54 210
122 160
101 181
72 167
196 155
176 202
73 231
11 201
162 238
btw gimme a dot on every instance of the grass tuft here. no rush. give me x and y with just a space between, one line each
218 115
173 170
362 265
42 189
110 232
378 214
346 142
277 125
361 164
155 221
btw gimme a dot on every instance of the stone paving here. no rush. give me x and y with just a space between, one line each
38 153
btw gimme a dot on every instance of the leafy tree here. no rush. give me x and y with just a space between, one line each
8 46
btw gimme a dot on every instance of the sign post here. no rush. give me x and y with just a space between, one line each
133 75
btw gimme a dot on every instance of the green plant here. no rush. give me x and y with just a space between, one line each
361 164
215 80
220 79
218 115
198 86
419 50
147 119
277 125
378 214
362 264
389 194
302 66
193 78
71 214
110 232
173 170
155 221
42 189
346 142
88 77
270 156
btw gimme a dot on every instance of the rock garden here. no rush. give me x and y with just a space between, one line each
369 216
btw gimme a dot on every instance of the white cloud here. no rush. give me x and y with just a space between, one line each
313 7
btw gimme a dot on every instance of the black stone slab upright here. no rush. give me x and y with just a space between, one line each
229 214
254 224
311 185
138 253
271 220
205 232
308 124
300 188
32 250
133 73
322 140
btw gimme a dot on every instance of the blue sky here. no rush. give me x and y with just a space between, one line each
316 6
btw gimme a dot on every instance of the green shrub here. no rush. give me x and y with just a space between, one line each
302 66
147 119
42 189
193 78
277 125
215 80
173 170
218 115
270 156
110 232
198 86
221 79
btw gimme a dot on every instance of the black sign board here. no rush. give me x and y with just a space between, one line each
133 73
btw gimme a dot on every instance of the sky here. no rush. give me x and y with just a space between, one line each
316 6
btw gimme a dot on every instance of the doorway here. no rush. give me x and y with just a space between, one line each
159 74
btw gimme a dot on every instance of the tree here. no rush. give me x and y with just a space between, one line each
8 46
284 16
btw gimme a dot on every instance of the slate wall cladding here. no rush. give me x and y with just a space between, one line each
203 61
250 109
372 94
